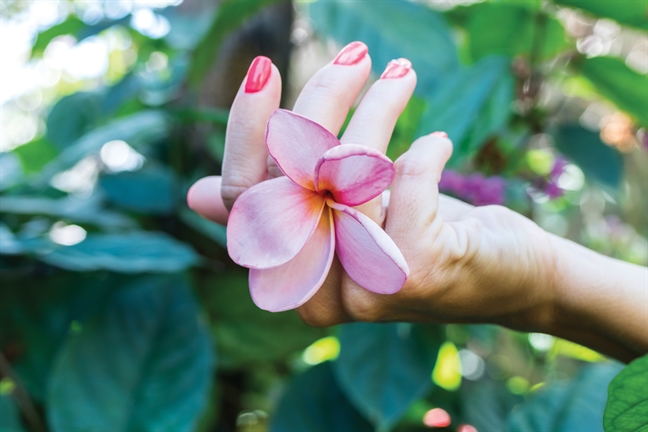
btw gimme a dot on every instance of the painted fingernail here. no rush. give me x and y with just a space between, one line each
351 54
258 74
396 69
439 134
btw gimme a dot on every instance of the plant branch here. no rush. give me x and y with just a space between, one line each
21 397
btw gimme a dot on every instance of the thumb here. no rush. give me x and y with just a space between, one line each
415 191
204 197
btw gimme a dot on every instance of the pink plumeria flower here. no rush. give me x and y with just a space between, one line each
287 230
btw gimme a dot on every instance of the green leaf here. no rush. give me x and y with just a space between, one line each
627 405
629 12
144 363
599 162
229 16
9 415
87 211
244 333
11 170
132 252
512 29
71 117
71 25
565 407
384 369
150 190
457 107
137 129
614 80
486 403
405 130
206 227
35 155
392 29
313 402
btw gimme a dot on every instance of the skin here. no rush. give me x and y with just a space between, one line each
467 264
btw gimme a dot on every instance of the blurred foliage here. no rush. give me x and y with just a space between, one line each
120 308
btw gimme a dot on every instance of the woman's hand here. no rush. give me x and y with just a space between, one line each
467 264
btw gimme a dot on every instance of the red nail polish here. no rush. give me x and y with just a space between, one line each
439 134
258 74
351 54
396 69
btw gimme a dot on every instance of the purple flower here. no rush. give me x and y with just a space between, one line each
474 188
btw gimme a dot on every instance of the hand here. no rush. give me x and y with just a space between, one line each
467 264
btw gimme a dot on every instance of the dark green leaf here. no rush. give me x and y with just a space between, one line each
512 29
71 25
630 12
133 252
137 129
246 334
392 29
599 162
567 407
314 403
148 353
71 117
613 79
229 16
405 130
9 415
206 227
457 107
69 209
627 405
384 369
487 403
152 189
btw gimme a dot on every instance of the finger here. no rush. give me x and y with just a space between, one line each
332 91
374 120
204 197
414 197
244 164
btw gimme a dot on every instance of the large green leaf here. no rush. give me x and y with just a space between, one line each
392 29
314 403
11 170
145 363
486 403
72 117
152 189
473 101
71 25
229 16
567 407
137 129
613 79
132 252
630 12
246 334
87 211
9 415
512 29
599 162
35 155
384 369
627 405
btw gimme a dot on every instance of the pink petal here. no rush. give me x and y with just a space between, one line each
295 282
270 223
296 144
366 252
353 173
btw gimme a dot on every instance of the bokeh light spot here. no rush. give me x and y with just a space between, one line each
447 371
437 418
327 348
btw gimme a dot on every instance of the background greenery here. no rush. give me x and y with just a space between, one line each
120 309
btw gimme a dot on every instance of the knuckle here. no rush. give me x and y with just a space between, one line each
230 192
406 166
325 86
361 305
315 317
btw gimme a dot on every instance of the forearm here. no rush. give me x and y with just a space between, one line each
599 302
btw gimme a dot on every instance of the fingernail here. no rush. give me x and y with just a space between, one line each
258 74
396 69
439 134
351 54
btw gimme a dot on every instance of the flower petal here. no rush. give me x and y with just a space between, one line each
270 223
296 143
353 173
295 282
366 252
